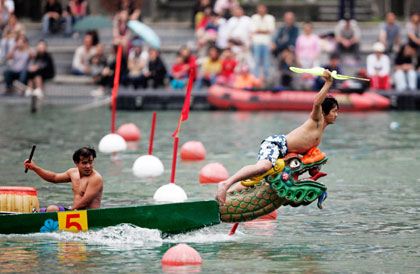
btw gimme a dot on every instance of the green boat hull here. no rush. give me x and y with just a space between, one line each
169 218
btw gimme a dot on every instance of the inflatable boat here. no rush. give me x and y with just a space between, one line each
222 97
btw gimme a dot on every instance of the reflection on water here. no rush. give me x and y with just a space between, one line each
370 221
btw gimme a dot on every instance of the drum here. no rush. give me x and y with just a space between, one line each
18 199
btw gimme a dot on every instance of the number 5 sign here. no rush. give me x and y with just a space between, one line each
72 220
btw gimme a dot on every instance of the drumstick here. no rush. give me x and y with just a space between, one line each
30 156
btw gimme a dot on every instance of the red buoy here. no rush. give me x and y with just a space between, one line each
193 151
181 254
213 173
130 132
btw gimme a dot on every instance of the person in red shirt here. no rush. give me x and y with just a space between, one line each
179 73
229 63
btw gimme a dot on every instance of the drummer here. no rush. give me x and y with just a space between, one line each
86 182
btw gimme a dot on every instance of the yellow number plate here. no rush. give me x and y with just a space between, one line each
73 220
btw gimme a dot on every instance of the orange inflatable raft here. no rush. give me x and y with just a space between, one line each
228 98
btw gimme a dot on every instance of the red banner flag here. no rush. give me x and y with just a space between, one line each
186 108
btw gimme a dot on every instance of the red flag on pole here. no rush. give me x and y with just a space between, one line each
115 89
186 108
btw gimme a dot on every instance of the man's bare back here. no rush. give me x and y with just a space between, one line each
87 183
299 140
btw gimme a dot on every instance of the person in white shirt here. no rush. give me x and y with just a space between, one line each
222 7
262 27
238 32
7 7
378 67
80 65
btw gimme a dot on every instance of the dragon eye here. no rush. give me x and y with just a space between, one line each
294 163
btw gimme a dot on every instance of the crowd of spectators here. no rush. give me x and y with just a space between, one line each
233 49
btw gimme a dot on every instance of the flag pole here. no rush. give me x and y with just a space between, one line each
115 88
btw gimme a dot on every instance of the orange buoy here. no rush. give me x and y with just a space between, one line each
130 132
193 151
181 254
18 199
213 173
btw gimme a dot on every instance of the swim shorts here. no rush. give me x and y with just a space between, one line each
272 148
61 208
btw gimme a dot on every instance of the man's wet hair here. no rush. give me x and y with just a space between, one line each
328 104
85 152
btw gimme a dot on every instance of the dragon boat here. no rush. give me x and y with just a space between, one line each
263 194
223 97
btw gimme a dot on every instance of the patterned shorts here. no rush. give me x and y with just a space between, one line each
272 148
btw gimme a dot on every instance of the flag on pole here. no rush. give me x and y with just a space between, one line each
186 108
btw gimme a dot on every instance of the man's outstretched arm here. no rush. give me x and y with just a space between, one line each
316 113
48 175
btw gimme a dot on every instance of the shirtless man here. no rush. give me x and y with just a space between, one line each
86 182
300 140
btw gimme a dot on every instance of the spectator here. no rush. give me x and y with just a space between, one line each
211 68
18 59
80 65
262 27
405 75
54 17
333 64
223 7
378 67
137 64
238 30
246 80
97 64
121 32
156 70
413 31
179 73
12 30
189 59
208 34
130 6
76 10
198 9
389 34
7 8
227 73
40 68
347 35
108 73
287 59
286 35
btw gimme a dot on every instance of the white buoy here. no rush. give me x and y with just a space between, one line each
170 193
112 143
394 125
148 166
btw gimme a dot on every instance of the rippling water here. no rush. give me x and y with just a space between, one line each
370 221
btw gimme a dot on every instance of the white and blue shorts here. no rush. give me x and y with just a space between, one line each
272 148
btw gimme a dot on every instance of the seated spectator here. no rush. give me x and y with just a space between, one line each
389 34
246 80
308 49
210 69
54 17
40 68
333 64
179 73
108 73
262 27
347 35
208 33
97 64
131 7
405 76
7 7
413 31
121 33
378 67
137 64
18 59
287 59
198 9
227 74
82 55
76 10
156 70
286 35
12 30
189 59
